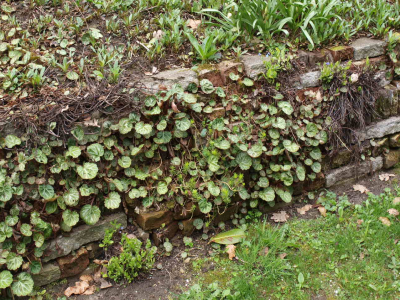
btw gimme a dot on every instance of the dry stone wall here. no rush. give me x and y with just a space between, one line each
69 254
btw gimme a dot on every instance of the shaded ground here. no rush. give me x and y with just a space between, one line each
177 274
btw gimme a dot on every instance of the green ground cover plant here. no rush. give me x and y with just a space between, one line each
352 253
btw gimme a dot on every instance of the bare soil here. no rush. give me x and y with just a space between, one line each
177 274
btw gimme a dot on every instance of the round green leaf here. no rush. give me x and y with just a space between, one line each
14 261
125 126
162 187
112 201
26 229
6 279
71 218
143 128
90 214
74 151
244 161
213 189
267 194
125 162
12 140
23 286
46 191
183 124
96 151
71 197
87 171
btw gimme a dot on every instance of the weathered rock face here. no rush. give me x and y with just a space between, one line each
74 264
167 79
227 67
395 140
50 272
311 79
190 210
366 47
64 245
254 65
391 158
168 232
187 227
154 219
341 53
354 171
381 129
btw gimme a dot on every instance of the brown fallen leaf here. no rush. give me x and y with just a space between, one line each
100 262
359 221
393 212
87 278
104 284
362 255
385 176
282 255
322 211
231 250
266 250
304 209
79 288
396 200
280 217
385 221
193 23
360 188
90 291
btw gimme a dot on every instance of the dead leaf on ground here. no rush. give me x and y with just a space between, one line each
231 250
266 250
90 291
359 221
360 188
79 288
100 262
385 176
396 200
87 278
280 217
304 209
322 211
104 284
385 221
393 212
193 23
282 255
362 255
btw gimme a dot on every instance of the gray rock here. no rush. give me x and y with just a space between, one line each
50 272
381 129
82 235
183 77
366 47
254 65
354 171
310 79
381 78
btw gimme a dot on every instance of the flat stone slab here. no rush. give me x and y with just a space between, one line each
254 65
167 79
366 47
381 129
50 272
354 171
310 79
81 235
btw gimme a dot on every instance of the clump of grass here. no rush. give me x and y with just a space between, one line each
346 255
